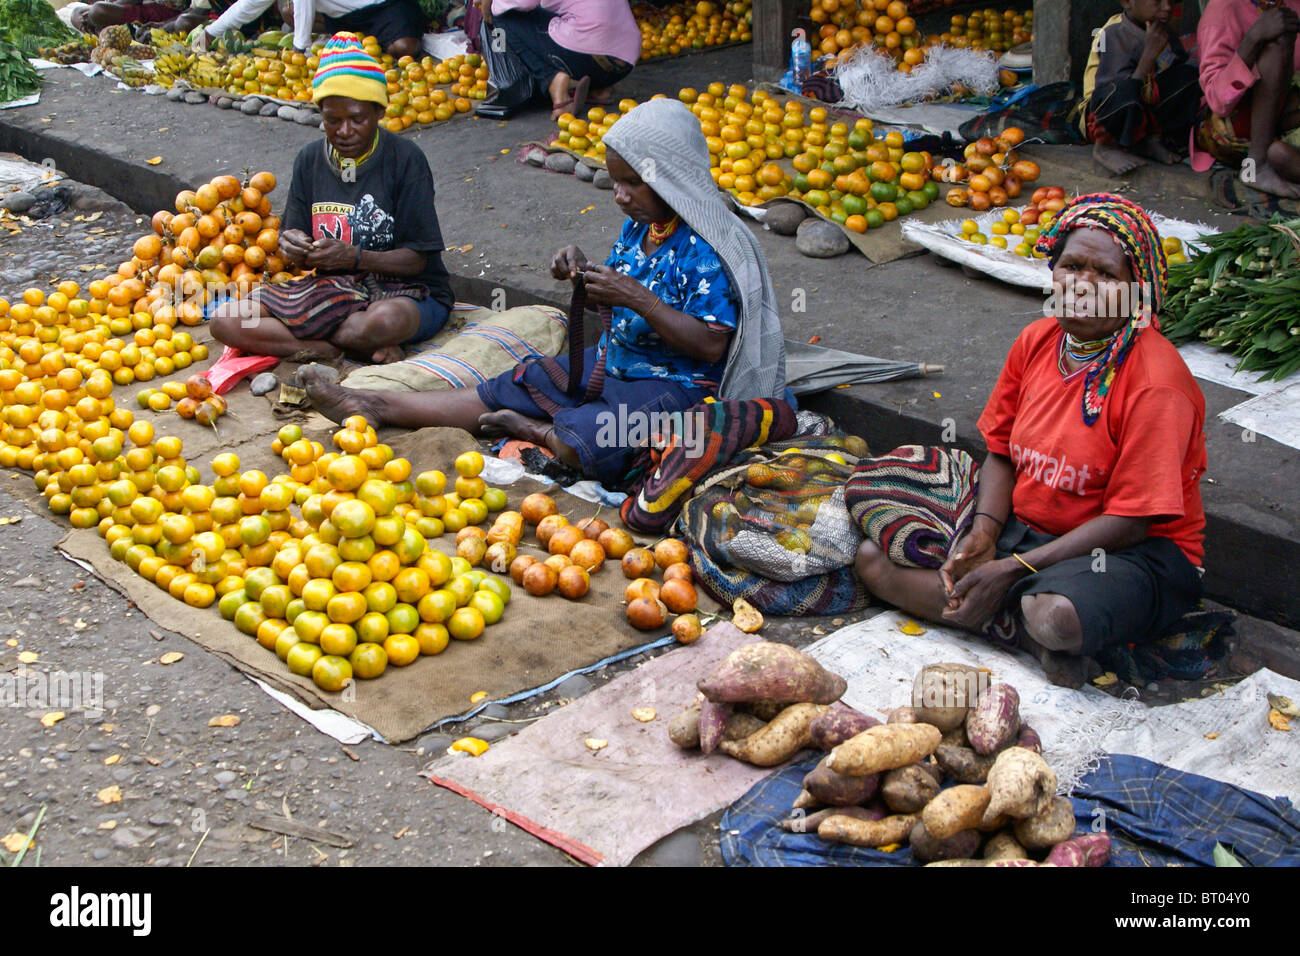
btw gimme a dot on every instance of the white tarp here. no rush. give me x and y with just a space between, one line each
1077 726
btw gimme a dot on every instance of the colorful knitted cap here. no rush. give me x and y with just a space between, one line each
348 70
1138 237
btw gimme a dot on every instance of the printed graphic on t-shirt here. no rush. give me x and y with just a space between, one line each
364 225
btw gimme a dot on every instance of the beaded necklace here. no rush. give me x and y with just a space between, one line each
660 231
1079 351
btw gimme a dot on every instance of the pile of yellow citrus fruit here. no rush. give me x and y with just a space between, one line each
413 96
847 174
890 27
682 27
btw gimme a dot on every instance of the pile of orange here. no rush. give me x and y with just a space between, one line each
1017 230
843 26
991 174
685 26
576 551
414 94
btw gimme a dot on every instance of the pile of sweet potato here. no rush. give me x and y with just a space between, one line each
883 784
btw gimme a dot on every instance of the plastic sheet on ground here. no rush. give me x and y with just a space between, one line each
941 238
606 806
1273 412
936 118
1079 726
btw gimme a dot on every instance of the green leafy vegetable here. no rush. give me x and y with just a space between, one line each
18 78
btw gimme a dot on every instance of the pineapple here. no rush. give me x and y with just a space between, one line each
116 37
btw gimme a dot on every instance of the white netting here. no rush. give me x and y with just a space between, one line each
871 80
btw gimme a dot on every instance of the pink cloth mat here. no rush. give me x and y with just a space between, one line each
604 807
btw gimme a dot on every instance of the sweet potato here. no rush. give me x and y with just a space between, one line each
1054 825
963 764
839 724
770 671
955 737
994 722
884 748
809 822
955 809
942 694
926 848
764 710
804 801
842 828
984 863
1029 739
779 740
908 789
713 724
1090 850
740 725
1004 846
933 769
1021 784
839 790
684 729
901 715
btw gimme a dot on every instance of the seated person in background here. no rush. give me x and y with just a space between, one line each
1248 60
575 50
249 17
1140 92
398 25
1087 522
360 212
173 16
693 314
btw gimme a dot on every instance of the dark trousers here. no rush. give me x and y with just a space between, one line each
1118 114
527 38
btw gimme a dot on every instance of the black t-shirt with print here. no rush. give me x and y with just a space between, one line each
388 206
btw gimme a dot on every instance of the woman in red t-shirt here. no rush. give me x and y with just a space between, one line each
1086 526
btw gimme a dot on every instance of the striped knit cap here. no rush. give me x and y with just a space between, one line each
1137 235
348 70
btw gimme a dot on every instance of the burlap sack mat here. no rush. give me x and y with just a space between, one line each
538 639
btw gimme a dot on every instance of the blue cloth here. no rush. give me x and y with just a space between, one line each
1155 815
688 276
433 316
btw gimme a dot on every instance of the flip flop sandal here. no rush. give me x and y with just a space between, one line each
575 103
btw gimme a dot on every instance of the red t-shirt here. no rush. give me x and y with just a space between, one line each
1143 457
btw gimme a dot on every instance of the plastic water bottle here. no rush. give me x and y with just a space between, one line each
800 59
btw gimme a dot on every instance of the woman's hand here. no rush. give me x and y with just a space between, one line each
332 254
974 549
295 245
606 286
979 594
568 263
485 8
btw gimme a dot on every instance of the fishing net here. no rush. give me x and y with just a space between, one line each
773 527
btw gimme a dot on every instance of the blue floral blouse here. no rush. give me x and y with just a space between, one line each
688 276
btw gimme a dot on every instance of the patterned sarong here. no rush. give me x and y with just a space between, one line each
314 306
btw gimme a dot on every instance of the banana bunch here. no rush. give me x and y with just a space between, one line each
162 39
173 65
74 51
132 72
206 70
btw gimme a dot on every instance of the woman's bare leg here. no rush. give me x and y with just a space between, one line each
511 423
1276 66
377 332
918 591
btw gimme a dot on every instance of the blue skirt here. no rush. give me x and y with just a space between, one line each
609 432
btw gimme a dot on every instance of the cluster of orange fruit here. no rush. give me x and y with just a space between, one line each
1017 230
682 27
576 551
888 25
649 602
284 74
222 236
991 174
413 94
194 399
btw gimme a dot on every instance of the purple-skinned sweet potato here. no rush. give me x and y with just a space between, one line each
833 789
712 724
963 764
1029 739
774 672
926 848
1090 850
839 724
994 722
908 789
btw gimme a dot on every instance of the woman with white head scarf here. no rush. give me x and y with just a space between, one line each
692 314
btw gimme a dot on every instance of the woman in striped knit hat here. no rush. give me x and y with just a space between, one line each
1084 526
360 213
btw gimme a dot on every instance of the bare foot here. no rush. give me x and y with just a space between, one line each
1061 669
514 425
1152 148
1115 160
388 354
1266 179
337 403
